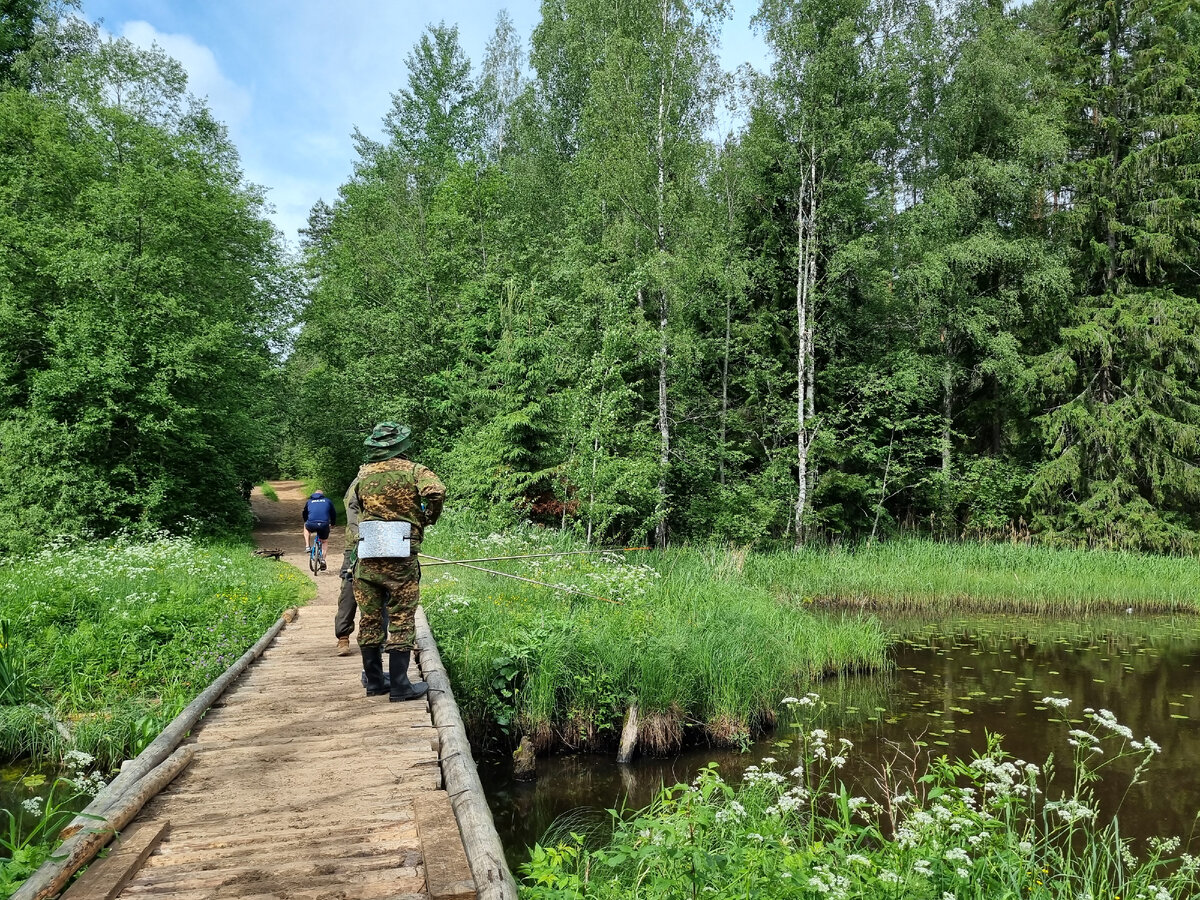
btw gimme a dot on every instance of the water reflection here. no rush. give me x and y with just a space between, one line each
953 682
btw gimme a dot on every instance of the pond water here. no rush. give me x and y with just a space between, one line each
27 790
952 682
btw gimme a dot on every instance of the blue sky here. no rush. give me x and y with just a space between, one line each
292 78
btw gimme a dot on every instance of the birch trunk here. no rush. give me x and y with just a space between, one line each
725 388
592 489
806 277
947 410
660 241
803 248
812 356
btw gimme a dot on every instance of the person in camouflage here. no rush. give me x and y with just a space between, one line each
392 489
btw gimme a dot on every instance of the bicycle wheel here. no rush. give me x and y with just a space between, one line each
313 564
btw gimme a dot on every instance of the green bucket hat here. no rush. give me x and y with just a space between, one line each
388 439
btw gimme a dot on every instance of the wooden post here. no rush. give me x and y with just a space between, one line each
493 880
525 760
628 735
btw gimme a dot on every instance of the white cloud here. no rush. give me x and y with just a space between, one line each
230 102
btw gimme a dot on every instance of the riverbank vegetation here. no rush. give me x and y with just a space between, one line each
704 654
706 641
104 642
935 829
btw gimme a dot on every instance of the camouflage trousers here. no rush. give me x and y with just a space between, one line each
391 584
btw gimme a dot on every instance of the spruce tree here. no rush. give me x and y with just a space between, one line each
1122 389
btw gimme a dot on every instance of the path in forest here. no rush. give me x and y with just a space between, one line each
303 788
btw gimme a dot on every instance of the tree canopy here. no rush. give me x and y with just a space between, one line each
141 287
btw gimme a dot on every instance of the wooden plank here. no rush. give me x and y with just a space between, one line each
447 871
105 878
246 882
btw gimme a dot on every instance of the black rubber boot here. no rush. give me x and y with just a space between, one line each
373 671
387 679
402 688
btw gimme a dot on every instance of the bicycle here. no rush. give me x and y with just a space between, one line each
316 554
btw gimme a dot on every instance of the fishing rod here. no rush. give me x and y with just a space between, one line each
557 587
459 562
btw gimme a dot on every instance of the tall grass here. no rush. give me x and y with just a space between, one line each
936 829
919 574
703 653
706 640
114 637
269 492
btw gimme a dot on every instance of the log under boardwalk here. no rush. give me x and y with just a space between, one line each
301 787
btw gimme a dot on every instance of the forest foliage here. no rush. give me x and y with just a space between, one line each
939 277
141 292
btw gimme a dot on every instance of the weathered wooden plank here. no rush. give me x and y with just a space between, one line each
447 870
105 877
249 881
381 831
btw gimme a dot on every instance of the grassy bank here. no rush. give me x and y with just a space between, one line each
105 642
702 652
706 641
923 575
937 830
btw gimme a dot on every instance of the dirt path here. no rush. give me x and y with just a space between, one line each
303 787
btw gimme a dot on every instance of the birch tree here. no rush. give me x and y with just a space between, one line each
821 91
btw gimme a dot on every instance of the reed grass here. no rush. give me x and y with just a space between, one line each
705 655
926 575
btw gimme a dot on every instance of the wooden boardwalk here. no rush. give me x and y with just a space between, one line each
303 788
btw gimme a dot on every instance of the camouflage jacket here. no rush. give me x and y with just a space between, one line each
397 490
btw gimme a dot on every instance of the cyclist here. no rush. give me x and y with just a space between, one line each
318 515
